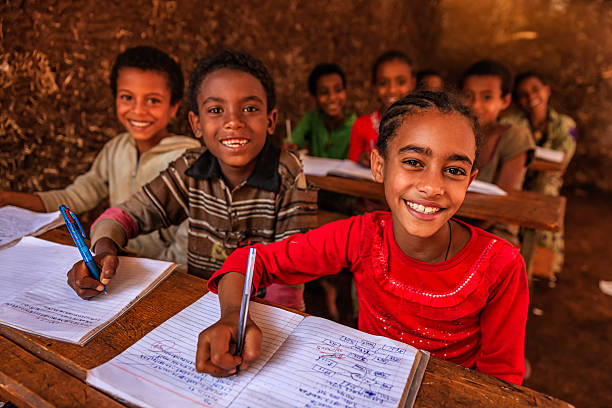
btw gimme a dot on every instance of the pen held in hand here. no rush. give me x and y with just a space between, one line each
244 306
78 236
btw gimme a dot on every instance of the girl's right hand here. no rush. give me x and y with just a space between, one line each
364 159
217 343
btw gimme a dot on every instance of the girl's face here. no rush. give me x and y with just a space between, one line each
426 171
532 95
393 80
331 95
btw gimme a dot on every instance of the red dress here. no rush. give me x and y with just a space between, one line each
364 135
470 309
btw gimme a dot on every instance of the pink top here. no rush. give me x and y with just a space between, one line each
470 309
364 135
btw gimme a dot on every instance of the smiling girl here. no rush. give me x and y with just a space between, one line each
422 277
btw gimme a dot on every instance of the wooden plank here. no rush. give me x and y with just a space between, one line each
545 165
28 381
525 208
447 384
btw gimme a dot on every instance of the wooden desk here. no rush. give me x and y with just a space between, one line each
444 383
545 165
524 208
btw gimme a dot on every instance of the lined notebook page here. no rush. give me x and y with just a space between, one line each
325 364
17 222
159 370
20 271
50 308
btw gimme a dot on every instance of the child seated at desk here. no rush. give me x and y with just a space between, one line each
147 85
551 130
422 277
507 148
326 130
392 77
236 191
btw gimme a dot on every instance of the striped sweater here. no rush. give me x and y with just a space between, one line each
272 204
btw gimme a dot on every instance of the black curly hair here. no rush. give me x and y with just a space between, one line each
150 59
489 67
322 70
419 102
386 57
230 59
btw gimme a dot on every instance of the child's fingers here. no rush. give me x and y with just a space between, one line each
109 264
252 345
213 355
83 284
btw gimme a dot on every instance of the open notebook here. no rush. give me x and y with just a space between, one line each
35 298
17 222
305 361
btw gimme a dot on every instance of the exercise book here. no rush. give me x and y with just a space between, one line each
18 222
305 361
34 295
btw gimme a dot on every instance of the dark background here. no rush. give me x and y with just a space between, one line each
56 110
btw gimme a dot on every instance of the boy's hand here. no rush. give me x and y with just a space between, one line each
364 159
217 343
81 280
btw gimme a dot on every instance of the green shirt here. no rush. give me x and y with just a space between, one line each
323 143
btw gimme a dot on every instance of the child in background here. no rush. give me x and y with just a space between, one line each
236 191
551 130
422 277
429 80
507 148
392 77
326 130
148 87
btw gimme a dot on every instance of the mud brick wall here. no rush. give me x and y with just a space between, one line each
56 110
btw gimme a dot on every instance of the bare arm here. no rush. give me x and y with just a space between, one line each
512 173
214 353
23 200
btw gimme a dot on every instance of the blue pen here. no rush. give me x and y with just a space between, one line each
244 306
78 236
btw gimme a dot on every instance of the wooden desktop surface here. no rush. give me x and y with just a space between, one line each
545 165
42 365
524 208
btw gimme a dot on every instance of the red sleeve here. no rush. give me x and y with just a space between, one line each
357 145
299 258
502 324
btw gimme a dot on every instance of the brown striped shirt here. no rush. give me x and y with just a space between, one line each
272 204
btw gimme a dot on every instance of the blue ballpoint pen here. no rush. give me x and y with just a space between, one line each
78 236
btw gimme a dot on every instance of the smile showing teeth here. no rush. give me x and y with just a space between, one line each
137 123
234 142
423 209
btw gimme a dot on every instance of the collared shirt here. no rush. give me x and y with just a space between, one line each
272 204
323 143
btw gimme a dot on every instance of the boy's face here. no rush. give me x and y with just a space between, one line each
426 172
483 93
533 95
331 95
233 120
143 105
393 80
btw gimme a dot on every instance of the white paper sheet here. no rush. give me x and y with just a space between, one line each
38 299
550 155
305 362
483 187
159 370
17 222
320 166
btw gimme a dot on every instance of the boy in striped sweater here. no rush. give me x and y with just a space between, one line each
236 191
